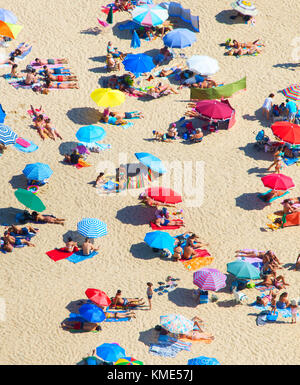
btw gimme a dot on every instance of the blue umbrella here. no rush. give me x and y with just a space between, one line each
138 63
2 114
160 240
90 134
7 136
92 313
92 228
179 38
151 161
37 171
7 16
110 352
203 361
135 42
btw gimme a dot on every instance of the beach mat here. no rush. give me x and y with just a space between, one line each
79 257
197 263
58 254
115 319
18 82
81 164
33 147
154 227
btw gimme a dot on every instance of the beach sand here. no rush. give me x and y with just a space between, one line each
39 292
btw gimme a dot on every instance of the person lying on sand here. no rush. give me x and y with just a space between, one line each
51 130
48 84
41 62
88 248
193 241
197 334
263 301
112 118
57 71
272 194
271 280
161 222
22 230
14 242
164 87
243 51
83 326
127 115
118 300
236 44
117 315
31 77
37 217
73 158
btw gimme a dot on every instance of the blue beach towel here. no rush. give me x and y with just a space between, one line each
79 257
290 161
117 319
33 147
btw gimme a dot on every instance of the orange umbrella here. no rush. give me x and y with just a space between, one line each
10 30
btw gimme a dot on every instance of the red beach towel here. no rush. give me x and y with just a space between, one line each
58 254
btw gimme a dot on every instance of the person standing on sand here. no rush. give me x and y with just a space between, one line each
88 248
149 293
267 106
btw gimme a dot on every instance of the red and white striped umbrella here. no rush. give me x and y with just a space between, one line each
209 279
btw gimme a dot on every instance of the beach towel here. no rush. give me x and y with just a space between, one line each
290 161
155 227
79 257
197 263
19 82
58 254
117 319
261 319
106 9
224 91
175 342
82 163
261 195
163 350
33 147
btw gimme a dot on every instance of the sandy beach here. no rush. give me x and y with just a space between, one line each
39 293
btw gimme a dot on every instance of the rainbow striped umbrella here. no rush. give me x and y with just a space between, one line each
149 15
128 361
209 279
10 30
292 92
176 324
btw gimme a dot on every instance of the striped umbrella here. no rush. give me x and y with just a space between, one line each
245 7
177 324
292 92
209 279
37 171
7 136
149 15
92 228
7 16
128 361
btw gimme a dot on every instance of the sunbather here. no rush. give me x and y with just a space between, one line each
88 247
22 230
197 334
127 115
71 246
100 180
48 84
117 315
15 242
41 62
37 217
271 280
162 222
31 78
283 301
14 73
61 78
164 87
193 241
272 194
126 302
51 130
39 125
57 71
78 325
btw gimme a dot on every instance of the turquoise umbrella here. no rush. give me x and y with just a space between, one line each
243 270
151 161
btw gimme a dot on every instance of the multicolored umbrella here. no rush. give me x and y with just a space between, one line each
37 171
292 92
7 136
107 97
278 182
245 7
138 63
92 228
203 65
29 200
90 134
9 29
203 361
98 297
163 195
160 240
149 15
177 324
286 131
128 361
151 161
7 16
179 38
214 109
209 279
243 270
110 352
92 313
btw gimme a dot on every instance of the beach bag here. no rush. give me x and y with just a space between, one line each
260 136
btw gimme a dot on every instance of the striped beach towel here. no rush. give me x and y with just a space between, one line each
175 342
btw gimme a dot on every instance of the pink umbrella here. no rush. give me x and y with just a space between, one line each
278 182
209 279
214 109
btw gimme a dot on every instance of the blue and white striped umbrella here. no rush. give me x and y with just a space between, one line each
92 228
7 136
176 324
149 15
37 171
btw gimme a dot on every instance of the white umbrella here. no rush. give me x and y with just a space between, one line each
245 7
203 65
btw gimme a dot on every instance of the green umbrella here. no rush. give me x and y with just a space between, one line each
29 200
110 16
243 270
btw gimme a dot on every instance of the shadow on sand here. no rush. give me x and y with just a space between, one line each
18 181
135 215
182 297
250 201
84 115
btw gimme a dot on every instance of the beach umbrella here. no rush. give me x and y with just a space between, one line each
149 15
214 109
278 182
7 16
2 115
292 92
160 240
256 262
98 297
9 29
107 97
245 7
135 42
29 200
128 361
37 171
177 324
286 131
203 65
110 352
243 270
163 195
92 313
151 161
138 63
110 14
7 136
90 134
209 279
179 38
92 228
203 361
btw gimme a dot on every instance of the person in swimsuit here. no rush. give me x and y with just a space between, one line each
117 315
189 252
297 264
283 301
277 158
126 115
291 205
178 253
250 253
271 280
126 302
294 310
41 63
56 71
88 248
61 78
100 180
15 242
78 325
71 246
51 130
149 294
49 84
22 230
194 242
111 118
197 137
39 125
31 78
37 217
14 73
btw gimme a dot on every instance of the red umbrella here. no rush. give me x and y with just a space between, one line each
214 109
98 297
278 182
163 195
288 132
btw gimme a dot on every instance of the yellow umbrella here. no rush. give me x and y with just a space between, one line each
106 97
10 30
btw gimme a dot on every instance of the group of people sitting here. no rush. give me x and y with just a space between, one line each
239 49
192 243
190 134
163 217
43 124
124 5
87 247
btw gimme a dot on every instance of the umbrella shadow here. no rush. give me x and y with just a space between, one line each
142 251
227 303
182 297
98 70
149 336
18 181
126 34
289 66
135 215
73 306
259 171
224 17
250 150
101 59
67 148
76 237
8 215
250 201
84 115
